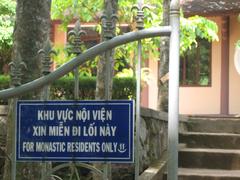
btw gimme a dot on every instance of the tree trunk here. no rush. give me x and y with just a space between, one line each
164 62
32 29
106 64
110 8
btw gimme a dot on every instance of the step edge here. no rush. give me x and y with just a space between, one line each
211 150
209 172
209 134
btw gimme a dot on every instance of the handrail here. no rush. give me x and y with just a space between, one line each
175 5
82 58
173 92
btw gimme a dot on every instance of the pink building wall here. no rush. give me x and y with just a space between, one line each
207 100
204 100
234 83
193 100
149 93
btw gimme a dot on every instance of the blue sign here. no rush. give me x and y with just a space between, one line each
88 131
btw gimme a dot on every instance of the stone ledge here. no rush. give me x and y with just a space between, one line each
3 110
150 113
155 170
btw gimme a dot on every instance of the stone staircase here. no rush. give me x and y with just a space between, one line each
212 150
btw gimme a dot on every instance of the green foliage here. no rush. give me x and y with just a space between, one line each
191 28
7 16
196 27
67 10
64 88
238 44
63 56
146 75
4 82
195 63
123 88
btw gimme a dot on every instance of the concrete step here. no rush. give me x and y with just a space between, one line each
214 125
210 140
227 159
206 174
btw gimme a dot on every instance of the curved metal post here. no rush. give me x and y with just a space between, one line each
82 58
173 110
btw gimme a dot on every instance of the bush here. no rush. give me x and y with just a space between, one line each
4 82
63 89
123 88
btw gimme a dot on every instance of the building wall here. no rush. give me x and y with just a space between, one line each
204 100
59 35
149 92
234 77
193 100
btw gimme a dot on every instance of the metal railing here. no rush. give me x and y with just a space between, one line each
81 58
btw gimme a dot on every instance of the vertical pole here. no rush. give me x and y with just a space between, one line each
45 165
16 71
75 41
76 83
13 157
140 25
173 111
138 110
108 75
45 94
107 96
44 97
108 19
105 171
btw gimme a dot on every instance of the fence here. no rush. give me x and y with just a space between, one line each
49 77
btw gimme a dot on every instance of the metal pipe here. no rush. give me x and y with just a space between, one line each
13 156
175 5
107 77
173 108
107 95
82 58
76 84
140 25
44 165
138 111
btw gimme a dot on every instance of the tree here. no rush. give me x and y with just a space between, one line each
106 63
163 62
31 30
190 27
7 15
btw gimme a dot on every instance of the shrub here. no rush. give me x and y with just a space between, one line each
63 89
4 82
